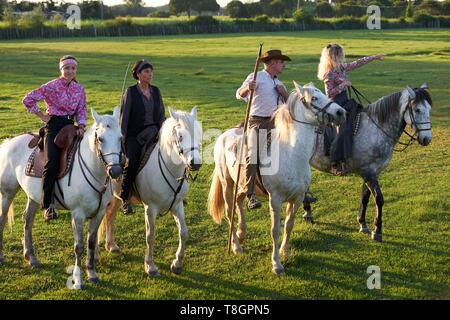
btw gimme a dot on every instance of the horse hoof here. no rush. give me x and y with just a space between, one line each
154 274
34 264
114 248
309 219
78 286
364 229
176 270
376 237
278 270
95 280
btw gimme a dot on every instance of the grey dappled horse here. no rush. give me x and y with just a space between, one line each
380 127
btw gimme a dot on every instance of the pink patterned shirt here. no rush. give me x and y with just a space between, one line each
334 80
60 98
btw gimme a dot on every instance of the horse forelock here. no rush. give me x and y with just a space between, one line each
384 107
422 95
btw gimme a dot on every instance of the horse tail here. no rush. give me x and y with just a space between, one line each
11 215
216 202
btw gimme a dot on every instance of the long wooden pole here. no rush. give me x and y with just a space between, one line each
241 151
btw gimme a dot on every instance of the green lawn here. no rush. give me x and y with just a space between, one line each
329 259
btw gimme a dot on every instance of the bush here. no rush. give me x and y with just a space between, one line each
159 14
421 16
34 19
303 15
324 10
204 21
264 18
120 22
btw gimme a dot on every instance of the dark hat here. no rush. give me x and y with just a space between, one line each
274 54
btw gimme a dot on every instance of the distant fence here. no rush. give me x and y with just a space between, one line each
234 26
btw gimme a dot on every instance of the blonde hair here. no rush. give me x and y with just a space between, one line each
332 58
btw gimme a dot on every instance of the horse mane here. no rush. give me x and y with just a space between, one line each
185 120
282 118
383 107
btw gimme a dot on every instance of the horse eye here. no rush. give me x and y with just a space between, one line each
314 99
100 139
108 126
417 111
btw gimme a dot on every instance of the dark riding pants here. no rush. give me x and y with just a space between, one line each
51 152
133 150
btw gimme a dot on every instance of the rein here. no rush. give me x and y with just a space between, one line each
187 173
320 114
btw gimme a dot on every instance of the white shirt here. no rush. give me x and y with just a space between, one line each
265 98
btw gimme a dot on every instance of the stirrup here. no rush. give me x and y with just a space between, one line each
50 214
127 208
253 203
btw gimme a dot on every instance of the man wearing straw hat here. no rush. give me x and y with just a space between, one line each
268 93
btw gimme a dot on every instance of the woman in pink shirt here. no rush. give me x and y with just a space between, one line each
333 72
65 100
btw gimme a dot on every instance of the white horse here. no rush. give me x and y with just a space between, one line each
162 184
96 161
295 123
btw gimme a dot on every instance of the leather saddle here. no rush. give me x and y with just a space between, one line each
65 140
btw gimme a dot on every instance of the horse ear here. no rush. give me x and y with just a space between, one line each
194 112
411 92
424 86
116 113
299 89
173 114
95 115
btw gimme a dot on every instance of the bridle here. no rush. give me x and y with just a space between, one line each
187 172
322 117
100 156
414 123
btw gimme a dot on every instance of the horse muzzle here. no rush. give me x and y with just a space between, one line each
424 141
194 166
115 171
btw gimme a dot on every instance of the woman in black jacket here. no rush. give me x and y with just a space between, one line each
142 115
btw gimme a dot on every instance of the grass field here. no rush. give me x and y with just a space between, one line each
329 259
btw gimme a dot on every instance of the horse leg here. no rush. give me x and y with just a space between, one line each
291 210
94 224
374 187
28 219
150 221
6 197
275 207
178 214
228 196
365 195
77 227
308 216
110 216
242 225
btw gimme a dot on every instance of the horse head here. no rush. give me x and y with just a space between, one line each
416 112
107 140
319 109
185 137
